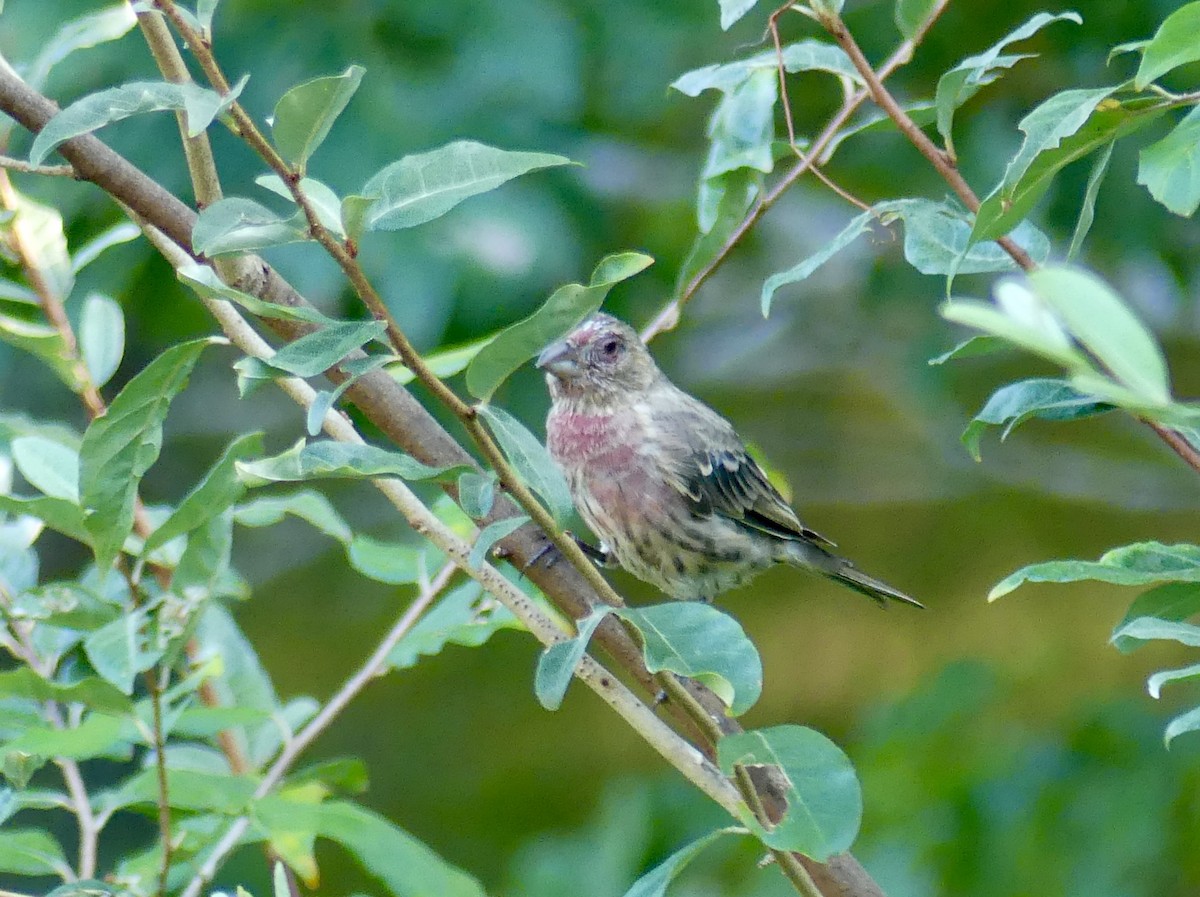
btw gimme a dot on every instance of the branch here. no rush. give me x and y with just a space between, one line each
62 171
668 317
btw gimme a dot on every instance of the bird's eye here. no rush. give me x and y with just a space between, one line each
610 347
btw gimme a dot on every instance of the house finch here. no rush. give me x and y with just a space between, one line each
664 481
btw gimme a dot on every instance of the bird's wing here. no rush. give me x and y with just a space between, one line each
716 474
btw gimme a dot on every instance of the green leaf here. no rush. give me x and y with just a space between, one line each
304 115
1155 683
464 616
972 347
123 648
1059 133
654 883
1100 319
733 10
199 105
59 514
307 505
803 269
490 535
1022 318
94 692
188 789
48 466
1170 168
31 852
88 887
214 494
963 81
558 316
1174 44
557 664
445 363
741 130
476 493
44 342
937 240
101 337
1174 601
1151 629
1132 565
722 205
530 459
81 33
205 10
1185 722
910 15
824 798
425 186
236 224
1012 405
355 369
320 196
802 56
330 460
205 282
316 352
389 562
98 735
120 446
46 241
697 640
404 865
1087 210
116 235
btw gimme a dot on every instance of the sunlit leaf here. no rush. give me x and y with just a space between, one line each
199 105
120 446
824 798
316 352
1173 601
1173 45
1132 565
805 55
699 641
1012 405
444 363
422 187
304 115
530 459
561 313
1170 167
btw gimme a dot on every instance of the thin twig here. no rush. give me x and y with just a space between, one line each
20 165
81 804
160 769
668 317
1177 443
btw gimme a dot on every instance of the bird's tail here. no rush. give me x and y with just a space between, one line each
817 559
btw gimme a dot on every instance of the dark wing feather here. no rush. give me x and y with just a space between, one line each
722 478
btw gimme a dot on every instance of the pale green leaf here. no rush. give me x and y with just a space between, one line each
1173 601
1133 565
557 663
205 282
803 269
654 883
97 736
464 616
1012 405
120 233
1185 722
82 33
354 369
320 196
733 10
304 115
530 459
802 56
101 337
1170 167
476 493
328 459
1156 681
308 505
1176 43
490 535
236 224
49 466
1087 210
389 562
31 852
316 352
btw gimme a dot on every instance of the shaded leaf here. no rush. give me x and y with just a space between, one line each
81 33
910 15
123 648
425 186
803 269
119 233
59 514
733 10
557 663
654 883
390 562
1174 44
316 352
722 205
698 640
205 282
307 504
1185 722
464 616
214 494
802 56
304 115
1012 405
1132 565
476 493
31 852
937 240
530 459
558 316
320 196
48 466
121 445
97 736
1170 167
355 369
1101 320
824 798
44 342
328 459
199 105
236 224
490 535
1087 210
94 692
1174 601
101 337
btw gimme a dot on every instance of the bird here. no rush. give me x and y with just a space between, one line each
664 481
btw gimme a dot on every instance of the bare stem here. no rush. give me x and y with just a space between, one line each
61 171
81 804
160 768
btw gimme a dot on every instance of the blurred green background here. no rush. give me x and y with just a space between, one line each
1004 749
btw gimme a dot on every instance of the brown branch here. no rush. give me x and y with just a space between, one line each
668 316
1177 443
62 171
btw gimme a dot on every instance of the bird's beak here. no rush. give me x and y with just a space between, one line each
559 359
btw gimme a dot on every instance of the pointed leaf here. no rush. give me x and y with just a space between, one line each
320 196
1174 44
119 233
1012 405
824 798
93 692
316 352
1174 601
1133 565
334 460
123 648
559 315
355 369
654 883
97 736
1087 210
805 55
476 494
236 224
530 459
1170 168
31 852
1147 629
304 115
205 282
699 641
557 664
802 270
1155 683
307 505
388 562
120 446
733 10
59 514
463 617
419 188
490 535
44 342
1185 722
82 33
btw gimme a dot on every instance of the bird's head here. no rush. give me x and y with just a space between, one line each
600 362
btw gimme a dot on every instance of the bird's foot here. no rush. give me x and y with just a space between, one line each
601 557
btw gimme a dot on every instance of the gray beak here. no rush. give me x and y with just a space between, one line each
560 360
